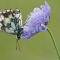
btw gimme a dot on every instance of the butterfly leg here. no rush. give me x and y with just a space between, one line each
17 44
19 47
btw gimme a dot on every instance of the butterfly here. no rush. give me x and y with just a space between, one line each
11 23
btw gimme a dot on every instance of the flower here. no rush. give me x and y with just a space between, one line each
37 21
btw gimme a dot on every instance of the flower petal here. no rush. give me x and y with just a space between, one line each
36 21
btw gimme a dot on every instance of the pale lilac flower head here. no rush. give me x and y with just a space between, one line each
36 21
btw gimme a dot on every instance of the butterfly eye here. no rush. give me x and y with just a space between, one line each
18 37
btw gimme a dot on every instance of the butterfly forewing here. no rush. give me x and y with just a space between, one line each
10 21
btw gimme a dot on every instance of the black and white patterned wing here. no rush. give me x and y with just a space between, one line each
10 21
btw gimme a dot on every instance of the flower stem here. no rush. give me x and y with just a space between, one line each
54 43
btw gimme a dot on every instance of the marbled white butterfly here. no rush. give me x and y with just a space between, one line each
11 23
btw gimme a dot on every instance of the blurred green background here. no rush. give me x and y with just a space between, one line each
40 46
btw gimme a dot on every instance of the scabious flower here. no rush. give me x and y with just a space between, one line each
37 21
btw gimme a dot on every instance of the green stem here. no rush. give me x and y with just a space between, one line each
54 43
